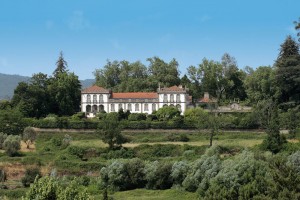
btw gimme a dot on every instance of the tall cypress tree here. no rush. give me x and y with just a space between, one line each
61 65
288 72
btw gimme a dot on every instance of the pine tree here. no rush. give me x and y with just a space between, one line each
288 72
61 65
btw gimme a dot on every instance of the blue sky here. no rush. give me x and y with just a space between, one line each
33 32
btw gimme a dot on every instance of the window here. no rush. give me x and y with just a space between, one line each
172 97
101 108
129 107
101 98
112 107
178 98
165 105
94 108
120 106
88 108
137 107
153 107
94 98
146 107
178 106
165 98
89 98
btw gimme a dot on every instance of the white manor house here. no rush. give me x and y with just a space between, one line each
95 99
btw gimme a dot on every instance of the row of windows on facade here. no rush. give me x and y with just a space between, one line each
94 108
165 98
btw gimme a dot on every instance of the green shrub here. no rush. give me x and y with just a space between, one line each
158 175
3 136
137 117
11 145
30 175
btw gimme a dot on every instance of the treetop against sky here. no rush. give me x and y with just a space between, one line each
89 32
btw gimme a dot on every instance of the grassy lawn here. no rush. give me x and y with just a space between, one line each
144 194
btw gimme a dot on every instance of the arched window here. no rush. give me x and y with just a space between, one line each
129 107
178 106
88 108
94 108
94 98
101 108
100 98
89 98
165 98
146 107
172 98
153 107
137 107
120 106
172 105
165 105
178 98
112 107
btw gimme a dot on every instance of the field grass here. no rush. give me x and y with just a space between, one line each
138 194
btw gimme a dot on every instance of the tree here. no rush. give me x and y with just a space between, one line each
3 136
29 135
235 87
61 65
163 73
288 72
167 112
110 132
269 114
297 27
260 84
12 144
30 175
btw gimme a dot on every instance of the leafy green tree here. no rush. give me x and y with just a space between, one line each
180 170
11 121
197 117
163 73
288 72
11 145
235 87
274 141
167 112
29 135
65 91
158 175
110 133
108 77
47 188
260 84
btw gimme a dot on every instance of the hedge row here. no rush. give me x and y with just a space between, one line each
227 122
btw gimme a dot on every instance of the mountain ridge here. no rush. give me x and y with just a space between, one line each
8 83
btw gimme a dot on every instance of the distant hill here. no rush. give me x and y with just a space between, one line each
8 83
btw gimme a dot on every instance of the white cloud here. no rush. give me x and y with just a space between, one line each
77 21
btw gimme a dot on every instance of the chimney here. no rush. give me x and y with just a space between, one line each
206 95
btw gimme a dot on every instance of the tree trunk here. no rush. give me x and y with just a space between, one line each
211 138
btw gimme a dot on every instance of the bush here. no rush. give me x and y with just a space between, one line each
12 144
29 135
137 117
158 175
30 175
3 136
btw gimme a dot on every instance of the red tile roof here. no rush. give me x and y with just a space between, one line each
135 95
174 88
207 100
95 89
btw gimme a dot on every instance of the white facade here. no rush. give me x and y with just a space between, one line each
96 99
